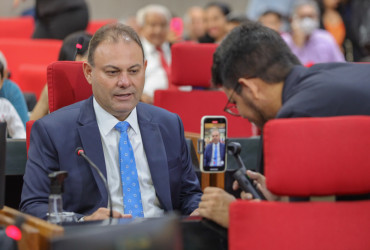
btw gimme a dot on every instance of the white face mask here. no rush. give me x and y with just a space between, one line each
308 25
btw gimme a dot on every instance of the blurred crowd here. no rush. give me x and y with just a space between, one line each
316 31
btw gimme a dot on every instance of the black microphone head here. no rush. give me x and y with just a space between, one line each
79 150
234 148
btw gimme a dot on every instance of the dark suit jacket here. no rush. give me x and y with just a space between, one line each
52 148
208 153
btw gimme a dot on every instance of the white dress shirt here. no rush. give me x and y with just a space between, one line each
155 75
110 140
9 115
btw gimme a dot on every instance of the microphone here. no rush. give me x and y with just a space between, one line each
80 152
79 44
245 184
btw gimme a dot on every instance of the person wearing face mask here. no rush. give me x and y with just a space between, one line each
309 43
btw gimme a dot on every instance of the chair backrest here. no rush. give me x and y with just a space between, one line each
18 52
318 156
28 133
94 25
18 27
304 157
191 65
2 162
32 78
66 84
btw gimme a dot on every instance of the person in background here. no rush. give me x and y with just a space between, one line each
56 19
216 20
256 8
272 20
66 53
194 26
13 93
154 21
139 148
235 19
264 80
331 20
309 43
8 114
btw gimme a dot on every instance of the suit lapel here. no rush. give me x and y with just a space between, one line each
156 155
92 145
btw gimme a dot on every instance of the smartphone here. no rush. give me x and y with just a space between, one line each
213 155
177 26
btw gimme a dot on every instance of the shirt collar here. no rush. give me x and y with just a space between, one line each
107 121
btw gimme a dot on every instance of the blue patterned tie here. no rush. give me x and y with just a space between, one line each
215 163
130 183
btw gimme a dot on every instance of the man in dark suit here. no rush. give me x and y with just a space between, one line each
166 180
214 154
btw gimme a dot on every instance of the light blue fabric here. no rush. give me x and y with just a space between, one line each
130 183
14 95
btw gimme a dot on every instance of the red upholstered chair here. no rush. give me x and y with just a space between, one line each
309 157
191 65
18 27
32 78
28 133
94 25
18 52
66 84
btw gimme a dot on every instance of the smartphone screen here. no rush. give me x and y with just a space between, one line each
214 132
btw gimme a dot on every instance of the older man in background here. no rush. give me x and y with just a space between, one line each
153 21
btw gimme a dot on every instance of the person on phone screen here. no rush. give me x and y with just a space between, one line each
214 154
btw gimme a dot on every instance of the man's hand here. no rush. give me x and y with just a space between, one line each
260 182
103 214
214 205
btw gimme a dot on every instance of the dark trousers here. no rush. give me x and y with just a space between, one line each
60 25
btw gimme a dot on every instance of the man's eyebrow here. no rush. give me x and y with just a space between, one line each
111 66
135 65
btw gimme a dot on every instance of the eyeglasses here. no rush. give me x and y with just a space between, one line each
230 106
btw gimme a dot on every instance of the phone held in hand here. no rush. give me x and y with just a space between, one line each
213 153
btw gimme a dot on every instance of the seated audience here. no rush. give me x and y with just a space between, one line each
139 148
309 43
194 26
67 52
153 21
331 20
273 84
216 20
8 113
272 20
235 19
13 93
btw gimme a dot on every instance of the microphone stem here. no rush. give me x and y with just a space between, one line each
104 180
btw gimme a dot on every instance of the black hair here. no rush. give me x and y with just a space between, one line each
273 12
68 49
252 50
225 9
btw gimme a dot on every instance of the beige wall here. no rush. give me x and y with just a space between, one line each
100 9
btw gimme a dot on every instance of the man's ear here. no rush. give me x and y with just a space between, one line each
87 68
251 86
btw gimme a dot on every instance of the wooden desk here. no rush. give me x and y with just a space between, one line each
36 233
